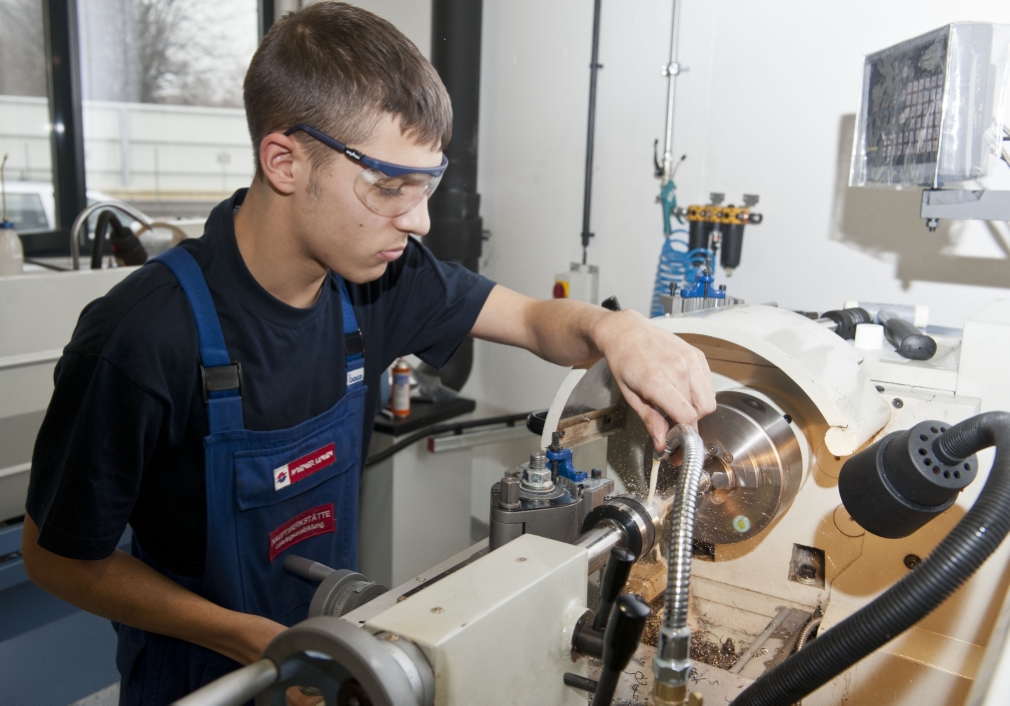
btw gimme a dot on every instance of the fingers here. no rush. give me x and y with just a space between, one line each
702 387
667 376
692 377
654 422
672 394
658 373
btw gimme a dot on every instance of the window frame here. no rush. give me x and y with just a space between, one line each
66 134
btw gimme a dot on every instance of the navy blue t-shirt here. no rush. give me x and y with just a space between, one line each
122 440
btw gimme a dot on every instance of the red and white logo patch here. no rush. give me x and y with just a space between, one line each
303 467
311 523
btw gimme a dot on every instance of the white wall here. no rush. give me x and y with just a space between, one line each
767 107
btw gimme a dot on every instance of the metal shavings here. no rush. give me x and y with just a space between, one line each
703 649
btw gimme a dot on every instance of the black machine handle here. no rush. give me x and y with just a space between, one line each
625 626
615 576
306 568
909 341
588 637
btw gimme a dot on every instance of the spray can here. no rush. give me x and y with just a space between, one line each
400 398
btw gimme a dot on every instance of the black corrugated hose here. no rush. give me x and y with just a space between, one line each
954 560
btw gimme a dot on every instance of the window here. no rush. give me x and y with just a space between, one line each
164 128
25 210
24 116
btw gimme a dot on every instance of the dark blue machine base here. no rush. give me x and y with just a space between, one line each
51 654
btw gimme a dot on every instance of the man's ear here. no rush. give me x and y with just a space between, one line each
281 157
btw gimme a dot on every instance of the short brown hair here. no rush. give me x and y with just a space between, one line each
338 68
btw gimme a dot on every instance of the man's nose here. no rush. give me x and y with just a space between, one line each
415 220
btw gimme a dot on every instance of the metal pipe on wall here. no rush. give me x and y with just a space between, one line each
594 67
456 225
671 71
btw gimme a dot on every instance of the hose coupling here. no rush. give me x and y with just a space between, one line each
672 662
663 695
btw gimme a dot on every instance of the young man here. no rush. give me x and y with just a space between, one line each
216 402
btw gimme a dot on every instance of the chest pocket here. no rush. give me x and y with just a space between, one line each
298 498
272 476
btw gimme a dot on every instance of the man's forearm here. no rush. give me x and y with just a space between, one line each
124 589
561 331
657 372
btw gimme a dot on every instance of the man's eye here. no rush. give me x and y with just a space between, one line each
389 193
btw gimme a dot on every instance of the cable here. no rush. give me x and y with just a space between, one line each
806 632
456 428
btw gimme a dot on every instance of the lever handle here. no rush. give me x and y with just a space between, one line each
306 568
909 341
614 577
624 631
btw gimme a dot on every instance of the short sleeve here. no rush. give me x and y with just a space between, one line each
433 306
97 436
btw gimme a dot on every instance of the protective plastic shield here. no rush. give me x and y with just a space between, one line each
931 113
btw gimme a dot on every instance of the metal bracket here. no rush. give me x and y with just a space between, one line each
465 440
964 205
674 69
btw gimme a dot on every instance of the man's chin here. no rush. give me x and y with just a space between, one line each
364 275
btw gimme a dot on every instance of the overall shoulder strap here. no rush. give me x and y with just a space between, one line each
220 377
354 343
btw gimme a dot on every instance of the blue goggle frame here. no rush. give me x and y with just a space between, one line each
387 168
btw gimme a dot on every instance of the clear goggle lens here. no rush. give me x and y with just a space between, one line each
393 196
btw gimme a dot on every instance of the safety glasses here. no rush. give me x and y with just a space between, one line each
387 189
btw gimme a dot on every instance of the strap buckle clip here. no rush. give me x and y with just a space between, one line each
220 378
354 344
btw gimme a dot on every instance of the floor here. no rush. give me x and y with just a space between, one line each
109 696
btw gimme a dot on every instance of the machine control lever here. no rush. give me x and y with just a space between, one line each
908 340
624 631
306 568
615 576
587 638
844 321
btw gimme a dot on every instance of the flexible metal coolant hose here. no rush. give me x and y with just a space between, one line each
672 663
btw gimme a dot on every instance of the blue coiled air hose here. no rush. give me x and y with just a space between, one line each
677 265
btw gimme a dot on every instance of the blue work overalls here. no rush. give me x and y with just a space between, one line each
268 492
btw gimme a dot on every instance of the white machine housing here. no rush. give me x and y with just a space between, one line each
496 628
843 399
